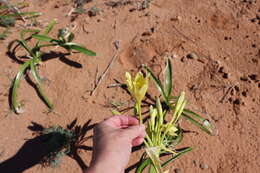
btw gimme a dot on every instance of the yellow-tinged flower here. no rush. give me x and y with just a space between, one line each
138 86
171 129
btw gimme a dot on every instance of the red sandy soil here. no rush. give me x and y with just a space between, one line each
221 79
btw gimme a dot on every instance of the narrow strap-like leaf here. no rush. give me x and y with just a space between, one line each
38 85
23 40
44 38
168 78
15 105
26 14
180 153
79 48
49 27
143 165
158 84
198 124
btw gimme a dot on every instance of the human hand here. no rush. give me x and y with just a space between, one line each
112 143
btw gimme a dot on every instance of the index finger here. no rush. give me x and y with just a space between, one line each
121 121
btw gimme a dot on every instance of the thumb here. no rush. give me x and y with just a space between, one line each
133 132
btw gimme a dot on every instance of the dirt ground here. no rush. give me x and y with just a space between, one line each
215 49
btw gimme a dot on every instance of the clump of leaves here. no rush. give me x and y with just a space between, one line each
59 144
34 58
61 141
163 129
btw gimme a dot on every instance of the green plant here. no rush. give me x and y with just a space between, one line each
34 57
163 129
59 141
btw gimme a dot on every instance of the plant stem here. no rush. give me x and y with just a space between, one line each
139 112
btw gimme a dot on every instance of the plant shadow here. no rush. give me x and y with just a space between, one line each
11 53
34 151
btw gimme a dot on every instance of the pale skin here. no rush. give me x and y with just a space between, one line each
112 144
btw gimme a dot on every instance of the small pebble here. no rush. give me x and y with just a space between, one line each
204 166
192 56
177 170
244 93
252 76
243 78
225 75
195 162
236 88
253 20
258 16
221 70
236 102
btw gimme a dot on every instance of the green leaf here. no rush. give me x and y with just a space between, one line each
204 122
25 31
26 14
44 38
168 79
49 27
23 41
115 112
152 169
15 105
198 124
177 155
79 48
158 84
7 21
148 161
187 111
143 165
38 84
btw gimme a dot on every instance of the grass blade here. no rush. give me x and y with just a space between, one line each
168 78
79 48
158 84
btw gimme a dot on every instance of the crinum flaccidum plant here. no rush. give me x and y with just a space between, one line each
159 131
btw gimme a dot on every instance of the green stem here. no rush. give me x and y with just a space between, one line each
139 112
